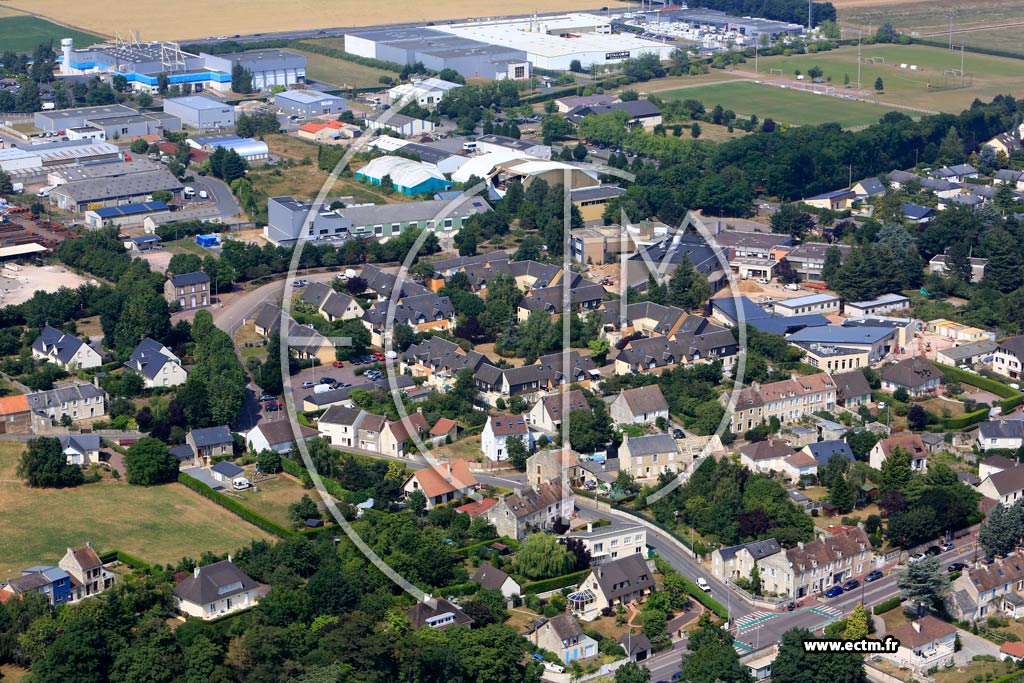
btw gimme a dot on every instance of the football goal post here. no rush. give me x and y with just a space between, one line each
775 72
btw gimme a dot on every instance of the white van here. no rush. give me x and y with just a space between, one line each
203 194
189 192
703 585
322 388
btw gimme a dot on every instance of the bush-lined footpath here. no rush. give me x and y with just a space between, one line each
234 506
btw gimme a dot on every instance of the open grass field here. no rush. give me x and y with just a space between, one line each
926 16
150 17
782 105
159 524
274 497
22 33
988 76
341 72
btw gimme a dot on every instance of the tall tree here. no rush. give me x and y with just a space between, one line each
44 465
712 658
896 472
790 219
541 556
1002 530
925 582
148 462
793 664
688 289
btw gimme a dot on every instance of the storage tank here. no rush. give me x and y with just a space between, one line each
67 46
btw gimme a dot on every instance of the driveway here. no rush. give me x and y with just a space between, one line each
204 476
219 193
973 646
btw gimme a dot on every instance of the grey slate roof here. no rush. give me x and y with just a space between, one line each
652 444
421 612
214 582
566 627
189 279
183 452
872 186
646 399
81 443
489 577
149 357
852 383
52 341
212 436
316 293
98 189
228 469
411 310
757 549
269 318
912 372
1001 429
335 304
41 400
624 576
824 450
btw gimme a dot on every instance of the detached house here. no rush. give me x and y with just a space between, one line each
911 443
563 636
276 435
81 449
532 509
498 430
52 582
442 483
1000 435
156 363
619 582
1009 356
852 389
437 613
924 643
216 590
495 579
210 442
188 291
66 351
916 375
396 434
15 415
547 413
642 405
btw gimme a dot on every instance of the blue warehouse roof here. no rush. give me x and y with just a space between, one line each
130 209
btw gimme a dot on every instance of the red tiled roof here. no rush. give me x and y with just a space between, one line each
443 426
11 405
477 507
445 478
1013 649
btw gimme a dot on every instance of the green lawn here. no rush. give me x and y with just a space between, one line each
989 76
782 105
159 524
274 497
341 72
24 33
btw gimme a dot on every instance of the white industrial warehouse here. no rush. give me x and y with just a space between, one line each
552 43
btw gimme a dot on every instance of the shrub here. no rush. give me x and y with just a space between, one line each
887 605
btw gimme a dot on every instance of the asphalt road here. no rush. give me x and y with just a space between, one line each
219 192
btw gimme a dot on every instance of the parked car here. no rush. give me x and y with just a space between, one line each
327 380
378 355
308 385
851 584
268 397
834 592
338 364
678 434
272 407
933 551
947 546
915 558
956 567
300 283
703 584
873 575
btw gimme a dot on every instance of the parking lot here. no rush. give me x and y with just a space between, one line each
18 286
313 377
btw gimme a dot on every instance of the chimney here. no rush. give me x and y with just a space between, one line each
916 624
800 544
518 491
590 527
195 572
430 601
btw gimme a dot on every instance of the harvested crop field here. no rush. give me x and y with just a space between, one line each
231 17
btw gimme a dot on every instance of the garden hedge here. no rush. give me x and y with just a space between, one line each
555 583
705 599
966 420
887 605
124 558
511 543
234 506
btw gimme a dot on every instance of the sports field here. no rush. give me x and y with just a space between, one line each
782 105
158 524
22 33
199 18
987 76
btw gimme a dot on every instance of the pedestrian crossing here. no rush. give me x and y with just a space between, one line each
827 611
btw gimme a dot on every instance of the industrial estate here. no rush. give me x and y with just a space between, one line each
626 344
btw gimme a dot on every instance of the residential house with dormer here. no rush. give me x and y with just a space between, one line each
618 582
438 361
78 401
561 464
926 643
66 351
547 413
157 364
498 430
216 590
916 375
1005 486
442 483
564 637
647 457
788 401
209 443
1008 360
828 560
737 562
532 509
